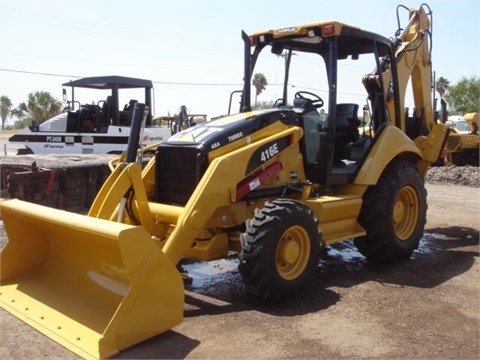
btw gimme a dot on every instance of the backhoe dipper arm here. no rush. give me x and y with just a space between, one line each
412 62
413 56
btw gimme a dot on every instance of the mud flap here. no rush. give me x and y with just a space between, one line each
94 286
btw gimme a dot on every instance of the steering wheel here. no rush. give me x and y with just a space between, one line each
316 100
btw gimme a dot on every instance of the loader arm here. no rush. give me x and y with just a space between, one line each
126 184
213 191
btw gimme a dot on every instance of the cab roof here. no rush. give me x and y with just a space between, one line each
109 82
353 41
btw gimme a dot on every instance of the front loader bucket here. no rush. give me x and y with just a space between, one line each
94 286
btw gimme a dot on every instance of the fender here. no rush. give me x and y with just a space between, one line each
391 143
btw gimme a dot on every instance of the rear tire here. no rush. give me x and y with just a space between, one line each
472 157
280 249
466 157
393 214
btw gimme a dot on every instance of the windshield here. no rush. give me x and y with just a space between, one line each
462 125
308 73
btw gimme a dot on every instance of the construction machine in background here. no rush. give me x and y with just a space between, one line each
102 127
184 120
273 185
463 143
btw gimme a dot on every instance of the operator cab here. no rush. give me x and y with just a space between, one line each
98 116
323 66
348 146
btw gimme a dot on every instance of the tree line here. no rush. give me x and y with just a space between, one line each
462 97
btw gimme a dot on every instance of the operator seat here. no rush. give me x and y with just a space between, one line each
107 110
130 106
346 130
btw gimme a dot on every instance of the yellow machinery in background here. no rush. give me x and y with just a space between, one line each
273 185
463 143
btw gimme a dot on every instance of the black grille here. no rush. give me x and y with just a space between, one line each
178 169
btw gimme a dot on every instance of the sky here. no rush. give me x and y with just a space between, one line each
192 50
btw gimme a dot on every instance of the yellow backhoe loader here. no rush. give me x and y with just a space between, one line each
274 185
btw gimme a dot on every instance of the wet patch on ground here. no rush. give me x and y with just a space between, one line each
222 276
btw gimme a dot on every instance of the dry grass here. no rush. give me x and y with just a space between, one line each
5 134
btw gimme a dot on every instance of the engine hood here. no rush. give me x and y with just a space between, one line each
217 133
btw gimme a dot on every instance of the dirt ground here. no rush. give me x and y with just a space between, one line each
425 308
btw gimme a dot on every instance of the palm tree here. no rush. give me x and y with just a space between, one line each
5 109
442 86
40 107
259 81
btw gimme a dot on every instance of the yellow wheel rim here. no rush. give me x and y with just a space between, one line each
405 212
293 252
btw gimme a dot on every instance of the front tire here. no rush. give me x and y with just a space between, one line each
24 151
280 249
394 214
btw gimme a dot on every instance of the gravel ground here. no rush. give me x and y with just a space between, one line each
454 175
